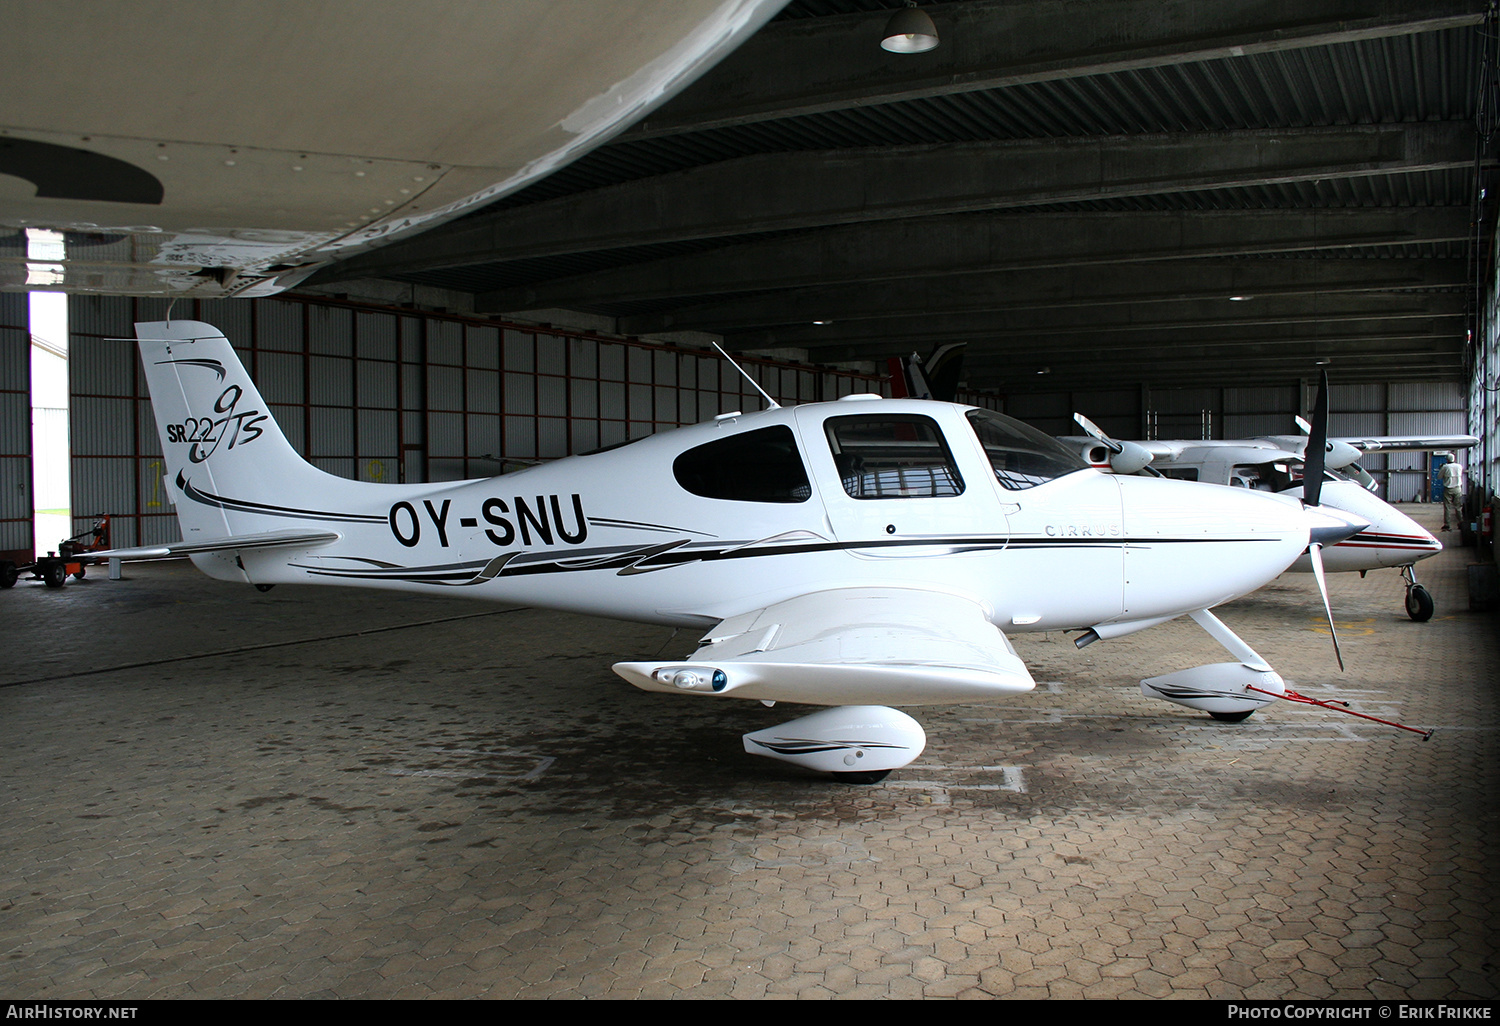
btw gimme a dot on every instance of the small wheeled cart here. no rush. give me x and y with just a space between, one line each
55 568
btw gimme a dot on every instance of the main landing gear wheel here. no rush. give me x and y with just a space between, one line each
872 777
1234 717
1419 605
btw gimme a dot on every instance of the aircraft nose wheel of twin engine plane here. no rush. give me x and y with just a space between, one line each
1419 604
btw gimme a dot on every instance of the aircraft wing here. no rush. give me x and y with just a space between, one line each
1410 443
269 539
849 646
219 150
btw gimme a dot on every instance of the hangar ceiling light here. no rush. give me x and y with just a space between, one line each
910 31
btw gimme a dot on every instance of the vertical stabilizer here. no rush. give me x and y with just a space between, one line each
230 470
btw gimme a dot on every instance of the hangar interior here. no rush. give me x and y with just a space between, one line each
1169 216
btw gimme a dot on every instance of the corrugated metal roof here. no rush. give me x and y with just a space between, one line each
1357 83
1406 75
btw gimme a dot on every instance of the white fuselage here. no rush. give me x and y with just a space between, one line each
1392 538
617 534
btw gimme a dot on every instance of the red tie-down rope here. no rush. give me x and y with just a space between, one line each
1343 707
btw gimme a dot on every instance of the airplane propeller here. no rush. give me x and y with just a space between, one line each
1314 457
1312 489
1126 457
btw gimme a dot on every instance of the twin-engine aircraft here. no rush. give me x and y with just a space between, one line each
851 554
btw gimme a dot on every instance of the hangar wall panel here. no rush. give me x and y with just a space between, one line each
1484 390
389 395
15 428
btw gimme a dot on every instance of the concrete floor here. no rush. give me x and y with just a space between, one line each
211 792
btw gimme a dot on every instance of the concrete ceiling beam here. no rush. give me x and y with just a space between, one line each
1349 356
1348 370
954 304
1084 329
801 67
785 191
1116 348
972 243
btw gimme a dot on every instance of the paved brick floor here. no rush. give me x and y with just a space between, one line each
210 792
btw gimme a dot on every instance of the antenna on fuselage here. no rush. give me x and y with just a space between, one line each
753 383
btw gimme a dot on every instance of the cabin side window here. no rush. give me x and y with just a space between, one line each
754 466
892 456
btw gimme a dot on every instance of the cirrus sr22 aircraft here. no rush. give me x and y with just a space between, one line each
852 554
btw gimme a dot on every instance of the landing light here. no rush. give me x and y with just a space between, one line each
693 678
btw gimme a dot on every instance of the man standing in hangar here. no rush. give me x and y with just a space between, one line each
1452 478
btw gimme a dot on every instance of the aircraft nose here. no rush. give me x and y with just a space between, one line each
1329 526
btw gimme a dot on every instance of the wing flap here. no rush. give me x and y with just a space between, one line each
850 646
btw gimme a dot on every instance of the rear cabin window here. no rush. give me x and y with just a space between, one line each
892 456
755 466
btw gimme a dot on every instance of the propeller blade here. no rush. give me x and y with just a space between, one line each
1095 431
1316 552
1315 455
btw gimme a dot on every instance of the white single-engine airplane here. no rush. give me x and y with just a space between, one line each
848 554
1275 463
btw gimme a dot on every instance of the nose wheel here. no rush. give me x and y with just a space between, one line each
1419 604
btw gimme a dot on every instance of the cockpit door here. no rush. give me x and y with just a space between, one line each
898 482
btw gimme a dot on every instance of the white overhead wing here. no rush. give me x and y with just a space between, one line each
234 149
849 646
1410 443
267 540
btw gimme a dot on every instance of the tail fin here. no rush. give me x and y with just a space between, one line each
933 378
230 470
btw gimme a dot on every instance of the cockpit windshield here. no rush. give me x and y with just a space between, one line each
1275 476
1267 477
1022 456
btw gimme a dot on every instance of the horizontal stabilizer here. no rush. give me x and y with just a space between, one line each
849 646
267 540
